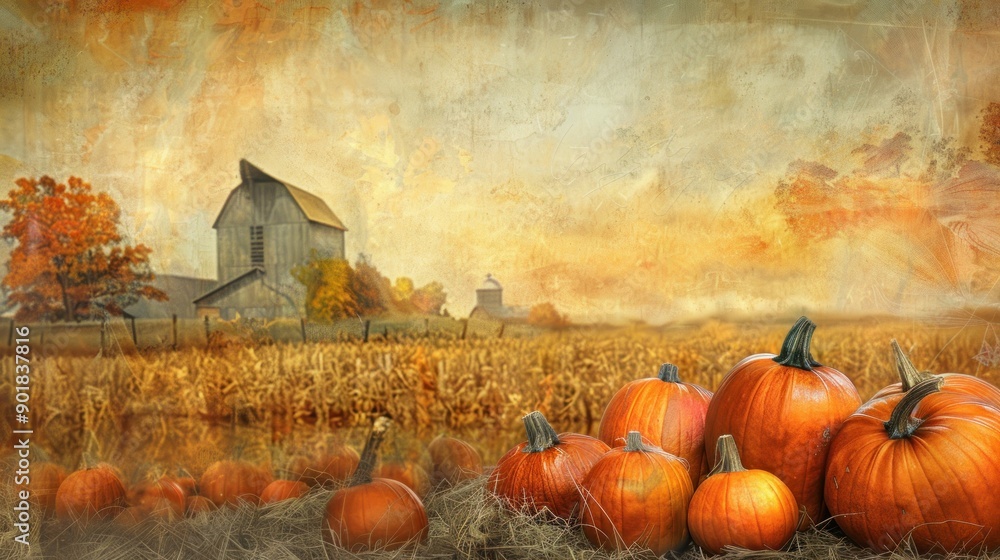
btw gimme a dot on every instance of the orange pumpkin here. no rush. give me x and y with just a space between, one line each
328 465
909 376
281 490
45 479
637 495
409 473
750 509
923 468
91 493
152 496
668 413
544 472
783 411
453 461
230 482
377 513
196 505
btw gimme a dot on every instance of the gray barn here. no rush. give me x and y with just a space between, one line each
265 228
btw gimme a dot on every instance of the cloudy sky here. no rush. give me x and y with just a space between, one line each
621 159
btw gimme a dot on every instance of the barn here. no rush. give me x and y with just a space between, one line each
267 227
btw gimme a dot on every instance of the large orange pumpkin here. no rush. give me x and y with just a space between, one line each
91 493
329 464
924 467
453 461
637 495
734 506
783 411
909 376
670 414
374 513
230 482
544 472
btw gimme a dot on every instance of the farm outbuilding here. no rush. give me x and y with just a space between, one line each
266 228
489 304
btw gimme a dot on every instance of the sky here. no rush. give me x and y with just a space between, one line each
622 160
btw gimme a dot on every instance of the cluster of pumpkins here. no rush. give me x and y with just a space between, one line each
789 441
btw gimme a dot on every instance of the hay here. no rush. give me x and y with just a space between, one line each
466 522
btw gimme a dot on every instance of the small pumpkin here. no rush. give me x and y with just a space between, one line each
669 413
409 473
91 493
374 513
544 472
45 479
962 383
734 506
163 493
637 495
783 411
281 490
924 468
196 505
453 461
230 482
329 464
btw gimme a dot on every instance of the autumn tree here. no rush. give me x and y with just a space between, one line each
371 290
989 133
71 261
429 299
546 315
328 285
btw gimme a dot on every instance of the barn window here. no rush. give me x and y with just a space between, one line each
257 246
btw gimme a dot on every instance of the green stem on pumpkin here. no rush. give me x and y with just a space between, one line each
795 349
363 474
901 423
668 374
633 442
727 456
909 376
541 435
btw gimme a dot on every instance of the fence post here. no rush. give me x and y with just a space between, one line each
103 323
174 329
465 327
10 334
302 323
427 326
135 338
385 332
208 330
368 324
502 326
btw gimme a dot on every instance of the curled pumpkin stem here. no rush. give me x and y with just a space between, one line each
541 435
901 423
727 456
909 376
795 349
363 474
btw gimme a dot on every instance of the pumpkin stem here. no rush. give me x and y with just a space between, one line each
633 442
727 456
908 374
541 435
902 424
363 474
668 374
795 350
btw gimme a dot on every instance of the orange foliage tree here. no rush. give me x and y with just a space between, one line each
70 262
546 315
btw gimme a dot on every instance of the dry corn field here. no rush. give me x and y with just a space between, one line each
191 406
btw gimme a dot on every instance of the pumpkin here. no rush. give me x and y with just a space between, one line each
637 495
924 467
196 505
409 473
91 493
734 506
453 461
44 482
544 472
670 414
230 482
328 465
783 411
131 516
281 490
909 376
164 493
374 513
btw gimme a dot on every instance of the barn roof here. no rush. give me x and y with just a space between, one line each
252 273
314 208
